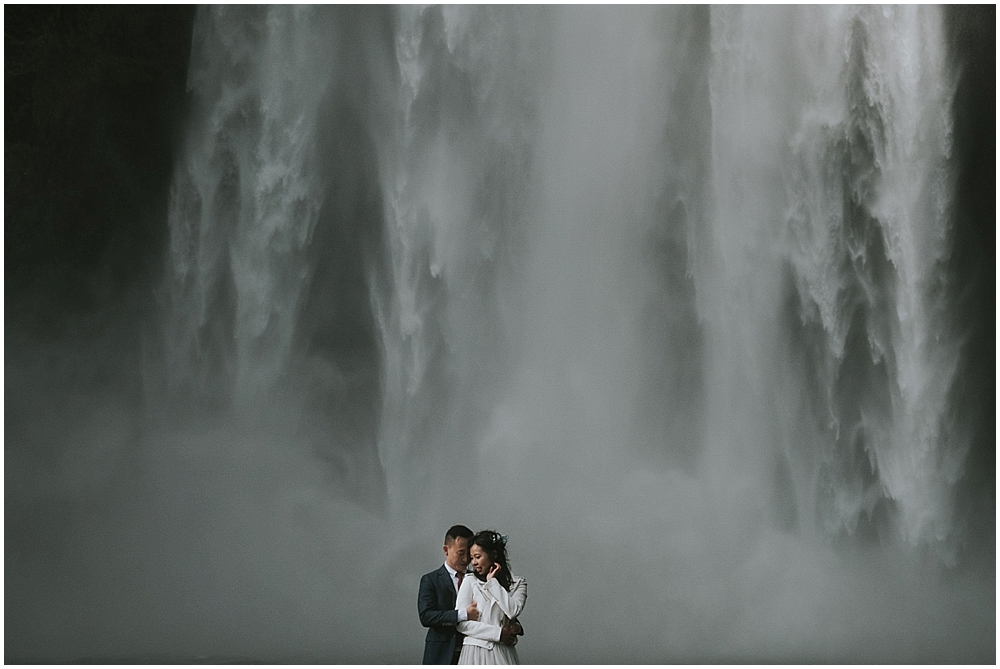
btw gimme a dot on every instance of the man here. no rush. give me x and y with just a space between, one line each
436 602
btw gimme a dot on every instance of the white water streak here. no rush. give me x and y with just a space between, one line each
259 83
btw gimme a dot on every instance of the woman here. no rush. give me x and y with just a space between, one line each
498 597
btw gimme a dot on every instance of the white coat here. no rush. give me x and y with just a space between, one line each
497 608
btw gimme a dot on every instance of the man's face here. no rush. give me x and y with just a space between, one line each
456 553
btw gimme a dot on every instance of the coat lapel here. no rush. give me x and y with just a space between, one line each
447 585
485 592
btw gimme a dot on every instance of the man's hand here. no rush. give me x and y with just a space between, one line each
473 611
508 635
516 626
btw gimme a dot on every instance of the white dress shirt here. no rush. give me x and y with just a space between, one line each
463 614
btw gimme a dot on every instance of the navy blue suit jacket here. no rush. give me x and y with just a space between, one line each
436 605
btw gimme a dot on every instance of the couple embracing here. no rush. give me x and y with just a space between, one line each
471 616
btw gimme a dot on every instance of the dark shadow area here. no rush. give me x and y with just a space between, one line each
94 97
94 101
671 407
337 333
971 269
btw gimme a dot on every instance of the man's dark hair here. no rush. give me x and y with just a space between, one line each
457 532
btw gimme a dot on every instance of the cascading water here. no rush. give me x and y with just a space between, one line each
246 199
885 223
832 179
656 291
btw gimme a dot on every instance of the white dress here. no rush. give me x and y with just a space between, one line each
497 608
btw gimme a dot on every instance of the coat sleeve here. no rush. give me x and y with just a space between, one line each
474 628
511 603
430 615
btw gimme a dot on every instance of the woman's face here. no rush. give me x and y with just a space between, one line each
481 562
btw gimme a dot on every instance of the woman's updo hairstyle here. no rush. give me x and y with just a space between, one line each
494 545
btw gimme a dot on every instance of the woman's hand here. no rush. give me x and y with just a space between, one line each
494 570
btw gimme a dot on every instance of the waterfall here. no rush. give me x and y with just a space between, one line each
246 197
885 214
454 219
831 191
657 290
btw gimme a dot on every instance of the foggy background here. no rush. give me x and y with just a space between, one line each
694 303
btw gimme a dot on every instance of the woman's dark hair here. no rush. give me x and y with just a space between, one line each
494 545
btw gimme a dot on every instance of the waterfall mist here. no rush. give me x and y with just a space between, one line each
670 295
